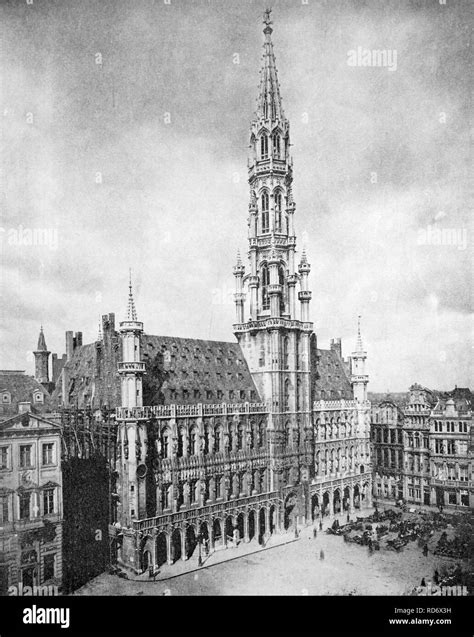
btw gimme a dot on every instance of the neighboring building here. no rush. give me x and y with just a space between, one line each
387 456
416 447
450 430
249 438
435 428
30 502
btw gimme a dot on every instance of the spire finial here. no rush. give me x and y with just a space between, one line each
131 312
100 336
239 260
267 19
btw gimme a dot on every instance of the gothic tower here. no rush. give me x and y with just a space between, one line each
131 485
42 360
275 334
359 378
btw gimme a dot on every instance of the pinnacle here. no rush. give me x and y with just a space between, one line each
131 311
41 341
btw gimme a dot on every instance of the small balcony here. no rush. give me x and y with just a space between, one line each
135 367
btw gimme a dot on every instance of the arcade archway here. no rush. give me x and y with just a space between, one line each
161 550
176 553
290 511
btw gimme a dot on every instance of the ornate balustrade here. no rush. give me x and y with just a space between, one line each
199 410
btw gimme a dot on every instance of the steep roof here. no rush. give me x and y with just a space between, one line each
21 388
41 342
398 398
177 370
331 378
189 370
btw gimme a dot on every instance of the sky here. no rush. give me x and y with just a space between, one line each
125 132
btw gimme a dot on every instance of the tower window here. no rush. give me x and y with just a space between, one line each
285 353
265 284
276 145
264 147
265 213
278 211
281 281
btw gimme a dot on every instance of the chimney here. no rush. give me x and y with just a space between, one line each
69 345
24 407
336 346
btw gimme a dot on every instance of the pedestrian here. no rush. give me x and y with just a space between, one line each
425 550
423 583
348 519
320 525
436 577
315 533
321 554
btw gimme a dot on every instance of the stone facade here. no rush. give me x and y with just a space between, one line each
30 503
192 471
422 448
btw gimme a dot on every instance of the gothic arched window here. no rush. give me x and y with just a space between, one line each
193 442
261 434
276 145
285 352
287 395
217 439
264 147
282 282
240 437
298 394
265 212
180 442
278 227
265 284
165 443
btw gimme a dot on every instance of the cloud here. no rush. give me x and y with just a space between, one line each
140 162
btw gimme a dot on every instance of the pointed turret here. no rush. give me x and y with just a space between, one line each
239 296
131 311
359 378
131 368
41 341
42 360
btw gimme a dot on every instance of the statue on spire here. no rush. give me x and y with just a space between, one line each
267 21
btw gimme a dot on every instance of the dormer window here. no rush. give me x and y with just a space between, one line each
38 397
6 398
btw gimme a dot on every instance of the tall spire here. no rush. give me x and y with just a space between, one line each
41 342
359 346
131 311
269 100
100 335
